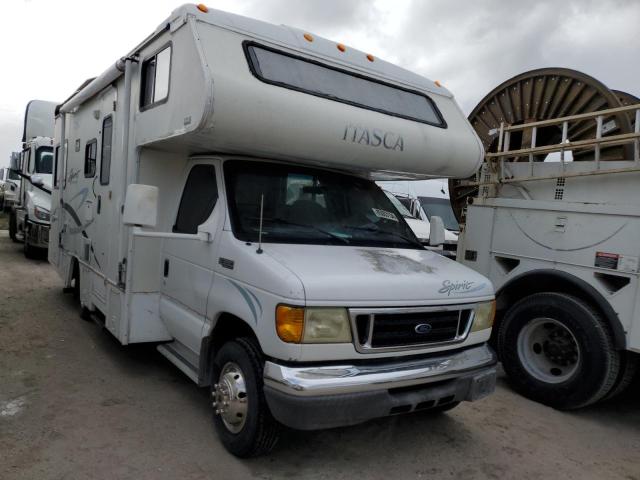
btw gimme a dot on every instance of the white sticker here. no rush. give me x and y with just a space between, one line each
384 214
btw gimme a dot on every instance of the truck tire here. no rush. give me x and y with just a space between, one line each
557 350
29 251
628 369
13 227
241 416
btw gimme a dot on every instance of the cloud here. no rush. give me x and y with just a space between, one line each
470 46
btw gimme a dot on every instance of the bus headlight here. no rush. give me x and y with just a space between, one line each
41 214
313 325
483 316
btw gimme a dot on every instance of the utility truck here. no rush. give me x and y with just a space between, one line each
553 219
215 194
30 214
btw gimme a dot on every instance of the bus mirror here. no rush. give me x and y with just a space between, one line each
141 206
436 233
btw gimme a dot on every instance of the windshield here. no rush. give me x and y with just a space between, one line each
44 160
440 207
306 205
13 175
399 206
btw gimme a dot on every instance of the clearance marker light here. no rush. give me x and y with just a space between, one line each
438 84
308 37
203 8
341 47
370 57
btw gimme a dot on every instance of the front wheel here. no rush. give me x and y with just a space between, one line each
557 350
13 227
241 415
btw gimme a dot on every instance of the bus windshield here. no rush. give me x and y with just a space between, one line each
312 206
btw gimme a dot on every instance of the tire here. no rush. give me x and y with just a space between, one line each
29 251
628 368
13 227
258 432
558 351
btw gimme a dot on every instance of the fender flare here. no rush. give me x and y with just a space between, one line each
585 291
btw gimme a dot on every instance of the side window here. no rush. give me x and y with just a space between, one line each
198 199
26 164
90 155
154 84
105 153
56 153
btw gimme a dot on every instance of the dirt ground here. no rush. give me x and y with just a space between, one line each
74 404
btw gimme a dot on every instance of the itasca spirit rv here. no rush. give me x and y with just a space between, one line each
215 193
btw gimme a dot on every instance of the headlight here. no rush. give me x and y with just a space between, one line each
41 214
313 325
484 315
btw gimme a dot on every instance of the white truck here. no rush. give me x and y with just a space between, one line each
220 201
559 240
30 215
9 185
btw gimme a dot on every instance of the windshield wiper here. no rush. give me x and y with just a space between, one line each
394 234
305 225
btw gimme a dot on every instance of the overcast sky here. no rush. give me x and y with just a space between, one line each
49 47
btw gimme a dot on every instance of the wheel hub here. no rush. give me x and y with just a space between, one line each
548 350
230 397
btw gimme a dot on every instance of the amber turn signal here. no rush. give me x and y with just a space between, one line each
290 323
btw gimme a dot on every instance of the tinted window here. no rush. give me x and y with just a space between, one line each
90 155
44 160
13 175
55 167
105 154
155 78
198 199
316 79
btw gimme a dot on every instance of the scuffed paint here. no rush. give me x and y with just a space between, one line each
390 261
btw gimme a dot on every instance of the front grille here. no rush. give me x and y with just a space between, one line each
398 328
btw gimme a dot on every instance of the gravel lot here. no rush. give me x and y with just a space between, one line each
74 404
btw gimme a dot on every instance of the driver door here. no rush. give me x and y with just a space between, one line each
188 263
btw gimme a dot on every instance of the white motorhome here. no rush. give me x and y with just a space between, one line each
9 185
30 216
214 193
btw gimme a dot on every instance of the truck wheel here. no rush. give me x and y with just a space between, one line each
241 415
29 251
628 369
556 350
13 227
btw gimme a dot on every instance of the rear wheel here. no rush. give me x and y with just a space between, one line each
557 350
241 415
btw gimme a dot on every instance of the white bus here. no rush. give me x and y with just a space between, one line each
214 192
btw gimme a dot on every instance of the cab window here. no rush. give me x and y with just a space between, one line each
198 199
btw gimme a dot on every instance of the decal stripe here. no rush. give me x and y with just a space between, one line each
247 299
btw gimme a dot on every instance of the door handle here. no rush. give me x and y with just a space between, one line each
166 267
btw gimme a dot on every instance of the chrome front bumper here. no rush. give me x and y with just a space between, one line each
328 396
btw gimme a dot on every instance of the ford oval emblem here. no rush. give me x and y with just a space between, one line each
423 328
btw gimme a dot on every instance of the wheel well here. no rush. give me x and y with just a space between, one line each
557 281
227 328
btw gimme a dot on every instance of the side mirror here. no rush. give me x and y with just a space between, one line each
436 231
37 180
141 206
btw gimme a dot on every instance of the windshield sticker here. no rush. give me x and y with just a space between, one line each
461 286
384 214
